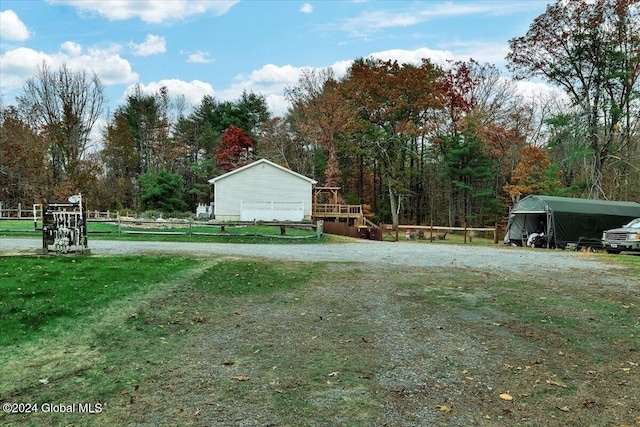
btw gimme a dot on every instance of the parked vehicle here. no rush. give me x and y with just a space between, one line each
626 238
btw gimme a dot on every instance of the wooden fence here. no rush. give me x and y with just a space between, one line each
433 232
371 231
20 212
23 212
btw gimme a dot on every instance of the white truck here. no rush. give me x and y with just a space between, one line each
625 238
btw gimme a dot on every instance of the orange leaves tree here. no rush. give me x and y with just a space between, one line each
318 116
534 174
23 161
391 104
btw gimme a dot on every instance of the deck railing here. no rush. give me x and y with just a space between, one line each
337 211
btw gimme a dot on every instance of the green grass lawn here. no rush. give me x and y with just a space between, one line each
39 296
145 231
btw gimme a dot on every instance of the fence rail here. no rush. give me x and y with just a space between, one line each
413 231
338 211
20 212
35 212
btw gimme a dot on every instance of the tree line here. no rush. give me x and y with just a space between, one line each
413 143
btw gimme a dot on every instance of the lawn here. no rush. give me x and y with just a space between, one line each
232 341
177 232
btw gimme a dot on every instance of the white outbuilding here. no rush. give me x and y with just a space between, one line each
262 191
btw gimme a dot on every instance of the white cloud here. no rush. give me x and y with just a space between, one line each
492 53
371 22
17 65
151 46
415 56
306 8
151 11
200 58
368 23
72 48
193 91
269 81
538 90
11 27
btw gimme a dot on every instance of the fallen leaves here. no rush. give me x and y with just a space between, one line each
444 408
556 383
506 396
240 378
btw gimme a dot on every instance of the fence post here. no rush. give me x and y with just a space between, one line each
465 232
19 210
495 234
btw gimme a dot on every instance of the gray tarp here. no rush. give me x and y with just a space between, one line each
567 220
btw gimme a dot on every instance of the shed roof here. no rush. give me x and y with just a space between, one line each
259 162
536 203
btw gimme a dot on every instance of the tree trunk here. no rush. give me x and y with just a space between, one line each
394 203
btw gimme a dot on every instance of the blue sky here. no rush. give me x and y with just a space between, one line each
221 48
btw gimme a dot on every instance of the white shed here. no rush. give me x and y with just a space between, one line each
262 191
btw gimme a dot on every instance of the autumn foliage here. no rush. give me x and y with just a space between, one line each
418 142
532 175
235 149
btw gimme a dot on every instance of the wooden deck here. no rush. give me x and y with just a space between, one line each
336 211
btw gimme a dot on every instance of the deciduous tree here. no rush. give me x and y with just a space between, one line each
23 162
534 174
63 106
318 112
589 49
235 149
392 103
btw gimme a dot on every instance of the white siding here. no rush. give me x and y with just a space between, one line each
260 183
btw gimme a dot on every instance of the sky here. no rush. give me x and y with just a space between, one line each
222 48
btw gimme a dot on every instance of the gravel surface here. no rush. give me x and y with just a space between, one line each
365 251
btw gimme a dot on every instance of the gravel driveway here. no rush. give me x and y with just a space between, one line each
366 251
